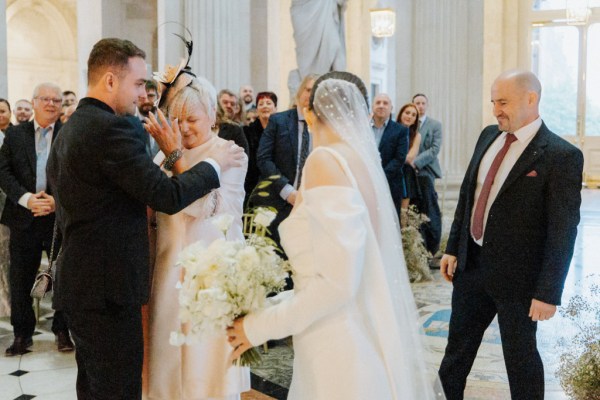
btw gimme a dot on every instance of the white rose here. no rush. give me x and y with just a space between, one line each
223 222
264 216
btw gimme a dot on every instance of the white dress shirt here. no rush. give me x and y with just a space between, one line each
524 136
25 198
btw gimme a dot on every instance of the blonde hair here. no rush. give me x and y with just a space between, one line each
199 92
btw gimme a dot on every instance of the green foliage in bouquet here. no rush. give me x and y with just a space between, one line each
415 253
579 370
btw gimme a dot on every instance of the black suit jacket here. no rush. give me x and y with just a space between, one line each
278 149
234 132
393 149
532 224
103 180
253 133
18 173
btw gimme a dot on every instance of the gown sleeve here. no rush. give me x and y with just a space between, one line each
336 239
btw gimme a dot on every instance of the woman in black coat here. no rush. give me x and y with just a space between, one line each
266 104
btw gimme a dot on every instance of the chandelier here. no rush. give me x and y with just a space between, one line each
383 22
578 12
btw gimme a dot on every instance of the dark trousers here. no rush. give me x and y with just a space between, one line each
109 350
473 309
427 204
26 248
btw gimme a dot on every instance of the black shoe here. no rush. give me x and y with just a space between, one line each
63 342
19 346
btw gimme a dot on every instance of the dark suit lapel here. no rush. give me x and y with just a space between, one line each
532 152
477 157
56 130
384 137
293 132
29 145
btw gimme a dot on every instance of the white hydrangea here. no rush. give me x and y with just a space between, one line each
224 280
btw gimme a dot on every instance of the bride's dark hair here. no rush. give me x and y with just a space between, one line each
343 75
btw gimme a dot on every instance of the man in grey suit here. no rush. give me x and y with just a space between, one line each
428 170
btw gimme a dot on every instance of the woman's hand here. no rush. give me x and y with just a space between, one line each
237 339
167 137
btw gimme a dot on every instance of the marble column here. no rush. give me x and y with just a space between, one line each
447 65
3 52
221 33
124 19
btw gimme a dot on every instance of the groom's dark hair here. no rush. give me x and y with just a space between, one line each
111 53
343 75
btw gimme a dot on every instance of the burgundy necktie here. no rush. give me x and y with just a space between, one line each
477 227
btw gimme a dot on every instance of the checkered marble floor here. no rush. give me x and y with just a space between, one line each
45 374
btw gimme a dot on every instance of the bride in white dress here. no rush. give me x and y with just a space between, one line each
352 314
201 370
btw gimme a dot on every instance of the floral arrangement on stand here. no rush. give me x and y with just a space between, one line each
226 280
415 253
579 370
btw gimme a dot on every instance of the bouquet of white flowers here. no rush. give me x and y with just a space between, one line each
226 280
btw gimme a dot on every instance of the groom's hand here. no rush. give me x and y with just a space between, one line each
448 265
167 135
540 311
227 155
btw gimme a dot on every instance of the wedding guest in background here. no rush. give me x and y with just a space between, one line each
251 116
428 169
225 125
4 231
199 370
4 117
67 112
408 116
247 96
391 139
23 111
266 105
69 98
239 112
29 212
282 151
226 106
146 105
104 179
512 238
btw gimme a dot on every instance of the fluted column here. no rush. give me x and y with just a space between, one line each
3 52
221 33
447 65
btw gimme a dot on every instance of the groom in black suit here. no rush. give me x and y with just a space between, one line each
512 238
104 179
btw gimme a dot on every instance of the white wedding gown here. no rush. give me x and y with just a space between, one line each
340 312
198 371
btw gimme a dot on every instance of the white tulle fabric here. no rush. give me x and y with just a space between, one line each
198 371
353 315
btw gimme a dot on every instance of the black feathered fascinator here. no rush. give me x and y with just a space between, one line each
175 78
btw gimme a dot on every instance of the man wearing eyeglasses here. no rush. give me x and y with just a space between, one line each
29 212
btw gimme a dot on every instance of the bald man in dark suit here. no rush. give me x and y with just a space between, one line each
512 238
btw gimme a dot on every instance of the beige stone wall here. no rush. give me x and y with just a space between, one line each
41 45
